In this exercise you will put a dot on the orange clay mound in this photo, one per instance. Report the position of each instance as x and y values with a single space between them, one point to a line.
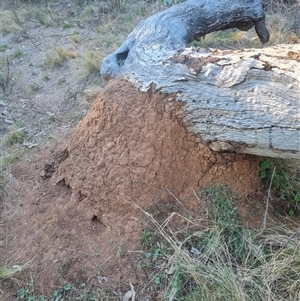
78 211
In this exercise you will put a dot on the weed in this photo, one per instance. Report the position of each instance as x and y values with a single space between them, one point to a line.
118 250
61 81
90 93
33 87
6 160
75 38
51 118
59 56
15 135
11 151
70 291
89 13
119 4
285 183
9 159
67 24
7 79
18 54
293 38
3 47
46 78
7 272
42 16
170 2
8 22
279 29
89 63
147 239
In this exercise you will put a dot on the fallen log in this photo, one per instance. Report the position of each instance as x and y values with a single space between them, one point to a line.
245 101
175 27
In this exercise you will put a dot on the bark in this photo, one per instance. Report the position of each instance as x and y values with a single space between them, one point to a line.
245 101
175 27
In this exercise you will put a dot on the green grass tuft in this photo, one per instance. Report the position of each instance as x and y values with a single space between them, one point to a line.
285 183
15 135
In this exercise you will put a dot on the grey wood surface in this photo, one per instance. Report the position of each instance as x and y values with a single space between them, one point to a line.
246 101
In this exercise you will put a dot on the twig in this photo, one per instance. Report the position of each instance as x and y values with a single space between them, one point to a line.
177 200
25 31
203 207
267 204
70 250
296 233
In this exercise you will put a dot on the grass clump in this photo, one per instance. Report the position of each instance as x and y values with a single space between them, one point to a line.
7 75
225 260
7 272
285 182
8 22
89 12
11 150
18 54
7 160
279 27
89 63
15 135
59 56
40 15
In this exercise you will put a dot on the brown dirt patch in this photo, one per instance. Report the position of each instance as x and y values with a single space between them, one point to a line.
130 148
196 63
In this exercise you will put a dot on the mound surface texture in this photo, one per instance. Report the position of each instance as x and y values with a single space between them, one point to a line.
130 149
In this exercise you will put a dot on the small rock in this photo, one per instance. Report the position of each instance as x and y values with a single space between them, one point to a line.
9 121
42 173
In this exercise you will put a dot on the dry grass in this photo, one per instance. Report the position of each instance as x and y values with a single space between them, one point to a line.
43 16
59 56
10 271
7 77
88 64
90 12
225 261
75 38
8 22
15 135
11 150
280 30
91 92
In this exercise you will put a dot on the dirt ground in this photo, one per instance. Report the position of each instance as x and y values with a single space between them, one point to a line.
71 205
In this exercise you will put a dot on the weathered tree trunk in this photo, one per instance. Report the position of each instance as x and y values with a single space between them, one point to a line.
173 28
244 101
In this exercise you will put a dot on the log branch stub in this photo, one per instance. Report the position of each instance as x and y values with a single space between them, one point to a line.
175 27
